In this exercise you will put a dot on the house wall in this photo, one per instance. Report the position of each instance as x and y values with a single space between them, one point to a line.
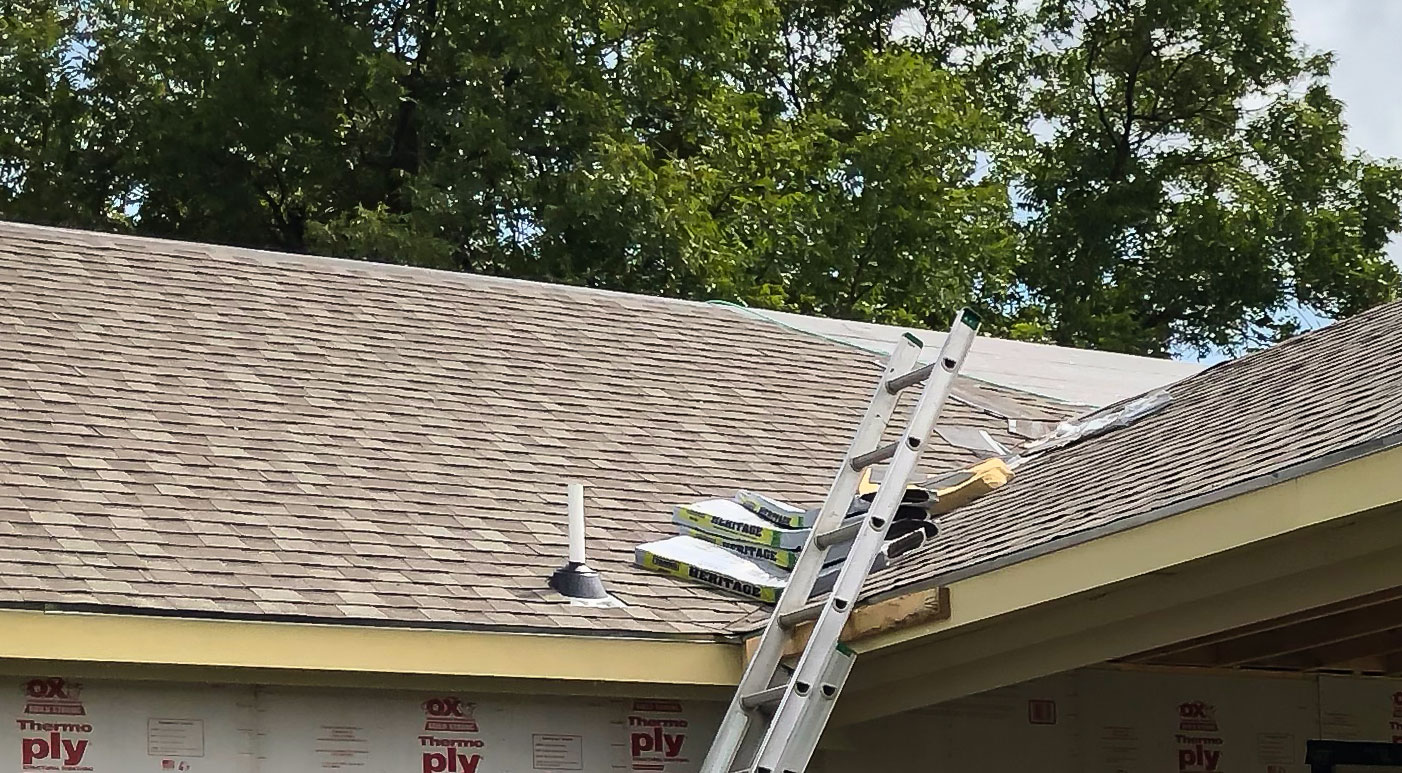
1110 721
1091 721
58 724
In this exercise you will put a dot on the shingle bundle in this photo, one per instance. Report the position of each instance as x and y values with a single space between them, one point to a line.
748 544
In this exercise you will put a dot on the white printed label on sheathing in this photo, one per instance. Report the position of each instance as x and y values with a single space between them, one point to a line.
1361 708
557 752
174 737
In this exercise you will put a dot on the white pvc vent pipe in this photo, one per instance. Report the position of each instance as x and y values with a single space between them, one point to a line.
576 500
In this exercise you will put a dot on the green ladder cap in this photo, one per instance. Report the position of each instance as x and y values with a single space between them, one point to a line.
913 339
845 650
970 317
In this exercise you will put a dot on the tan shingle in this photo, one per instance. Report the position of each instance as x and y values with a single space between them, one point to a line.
281 435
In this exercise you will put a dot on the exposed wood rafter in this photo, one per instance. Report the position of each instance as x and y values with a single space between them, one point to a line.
1289 639
1164 654
1346 655
1360 634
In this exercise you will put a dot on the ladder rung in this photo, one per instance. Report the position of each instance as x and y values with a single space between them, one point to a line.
783 739
841 534
764 697
803 614
869 458
910 379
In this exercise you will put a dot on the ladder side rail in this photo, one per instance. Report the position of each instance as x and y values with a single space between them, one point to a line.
799 748
804 575
795 708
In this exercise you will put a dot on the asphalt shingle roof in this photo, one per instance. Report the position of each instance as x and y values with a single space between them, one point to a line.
204 430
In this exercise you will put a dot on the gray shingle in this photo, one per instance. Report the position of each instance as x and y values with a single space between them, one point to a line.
1313 395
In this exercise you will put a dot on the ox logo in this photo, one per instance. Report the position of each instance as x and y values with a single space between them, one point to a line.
52 696
1198 716
449 714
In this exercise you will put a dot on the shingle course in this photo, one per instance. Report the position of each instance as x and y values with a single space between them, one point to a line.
266 434
1311 396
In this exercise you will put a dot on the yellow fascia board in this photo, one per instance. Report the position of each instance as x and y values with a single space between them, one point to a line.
563 663
1312 499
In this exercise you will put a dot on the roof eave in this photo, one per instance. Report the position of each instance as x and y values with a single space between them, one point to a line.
999 611
184 649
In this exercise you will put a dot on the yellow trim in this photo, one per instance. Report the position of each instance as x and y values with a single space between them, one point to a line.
568 663
1318 539
1362 484
1131 589
1122 621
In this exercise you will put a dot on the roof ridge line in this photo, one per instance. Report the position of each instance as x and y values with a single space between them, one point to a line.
266 255
1333 328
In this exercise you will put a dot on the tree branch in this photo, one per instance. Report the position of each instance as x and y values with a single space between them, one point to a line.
404 150
1100 110
1123 149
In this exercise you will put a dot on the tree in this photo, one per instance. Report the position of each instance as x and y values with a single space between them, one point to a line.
1194 190
722 148
57 150
853 158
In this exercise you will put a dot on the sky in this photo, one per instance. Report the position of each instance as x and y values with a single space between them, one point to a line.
1366 38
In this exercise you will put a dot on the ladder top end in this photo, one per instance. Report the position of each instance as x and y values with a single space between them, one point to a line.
971 318
911 337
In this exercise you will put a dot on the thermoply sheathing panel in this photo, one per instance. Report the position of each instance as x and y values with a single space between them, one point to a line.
1360 709
1032 725
62 724
1140 722
58 724
1025 727
1101 721
1120 721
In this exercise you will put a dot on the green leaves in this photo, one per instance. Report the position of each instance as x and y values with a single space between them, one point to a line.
1196 190
1141 175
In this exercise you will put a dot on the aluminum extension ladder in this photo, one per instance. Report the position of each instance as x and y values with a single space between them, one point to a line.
775 720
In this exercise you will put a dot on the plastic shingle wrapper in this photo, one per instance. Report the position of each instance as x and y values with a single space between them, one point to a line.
1123 415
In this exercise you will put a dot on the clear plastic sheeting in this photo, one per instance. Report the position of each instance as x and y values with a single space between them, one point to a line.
972 439
1100 422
